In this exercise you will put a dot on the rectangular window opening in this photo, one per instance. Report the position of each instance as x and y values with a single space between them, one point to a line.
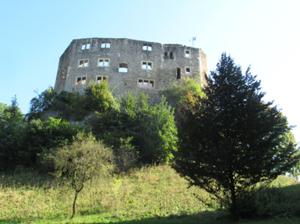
166 55
147 47
171 55
103 62
187 53
101 78
86 46
147 65
188 70
123 68
178 73
83 63
81 80
146 83
105 45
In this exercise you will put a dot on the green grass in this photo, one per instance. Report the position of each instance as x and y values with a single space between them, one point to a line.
149 192
151 195
202 218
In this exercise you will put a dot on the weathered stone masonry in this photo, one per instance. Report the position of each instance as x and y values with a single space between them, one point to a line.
128 65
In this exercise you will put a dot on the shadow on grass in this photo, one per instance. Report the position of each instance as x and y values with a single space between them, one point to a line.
202 218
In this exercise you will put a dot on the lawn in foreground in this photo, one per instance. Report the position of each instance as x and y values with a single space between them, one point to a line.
202 218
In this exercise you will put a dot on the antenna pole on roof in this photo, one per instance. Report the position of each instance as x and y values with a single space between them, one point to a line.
193 41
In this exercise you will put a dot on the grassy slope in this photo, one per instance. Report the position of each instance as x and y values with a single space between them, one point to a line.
140 197
156 191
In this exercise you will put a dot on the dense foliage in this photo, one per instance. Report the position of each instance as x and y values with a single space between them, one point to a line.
139 132
12 129
233 139
42 137
150 129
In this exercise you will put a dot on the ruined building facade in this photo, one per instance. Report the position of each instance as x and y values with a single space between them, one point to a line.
127 65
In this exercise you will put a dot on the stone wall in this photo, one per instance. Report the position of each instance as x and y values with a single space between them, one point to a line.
168 62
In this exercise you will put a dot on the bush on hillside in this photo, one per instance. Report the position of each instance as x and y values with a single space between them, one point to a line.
80 162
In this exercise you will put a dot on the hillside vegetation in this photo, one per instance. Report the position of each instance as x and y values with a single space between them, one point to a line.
191 155
150 193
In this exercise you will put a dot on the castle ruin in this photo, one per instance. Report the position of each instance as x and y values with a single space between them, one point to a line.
128 65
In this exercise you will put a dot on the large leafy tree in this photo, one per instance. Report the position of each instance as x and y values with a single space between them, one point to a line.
150 128
233 139
12 126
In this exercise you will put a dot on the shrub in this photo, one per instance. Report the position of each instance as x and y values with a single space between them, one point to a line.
270 202
80 162
44 136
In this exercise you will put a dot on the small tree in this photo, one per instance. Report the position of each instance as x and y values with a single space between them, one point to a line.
234 139
80 162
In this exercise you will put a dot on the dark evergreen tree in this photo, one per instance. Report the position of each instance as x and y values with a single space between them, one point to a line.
233 139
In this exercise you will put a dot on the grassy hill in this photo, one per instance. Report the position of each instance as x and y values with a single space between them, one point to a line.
149 195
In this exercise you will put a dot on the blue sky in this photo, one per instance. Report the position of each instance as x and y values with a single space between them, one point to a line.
262 33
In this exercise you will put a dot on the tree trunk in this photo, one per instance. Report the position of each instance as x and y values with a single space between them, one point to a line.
74 204
233 207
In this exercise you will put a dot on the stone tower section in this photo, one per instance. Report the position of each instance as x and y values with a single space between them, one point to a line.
128 65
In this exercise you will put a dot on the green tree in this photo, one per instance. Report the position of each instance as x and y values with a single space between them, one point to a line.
41 103
2 107
66 105
150 128
186 92
234 139
69 106
80 162
183 96
42 137
98 97
156 135
12 126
